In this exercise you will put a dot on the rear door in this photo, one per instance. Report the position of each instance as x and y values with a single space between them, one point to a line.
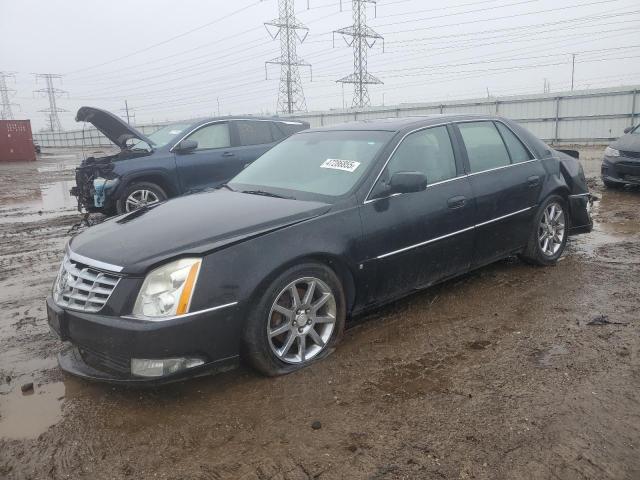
415 239
216 159
506 180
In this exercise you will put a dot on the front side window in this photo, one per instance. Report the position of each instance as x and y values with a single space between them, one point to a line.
212 136
516 149
484 145
253 132
325 163
427 151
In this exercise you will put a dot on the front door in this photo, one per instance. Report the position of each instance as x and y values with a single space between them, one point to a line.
506 180
213 162
412 240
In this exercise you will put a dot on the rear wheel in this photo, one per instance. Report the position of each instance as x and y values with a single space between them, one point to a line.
139 194
549 233
298 320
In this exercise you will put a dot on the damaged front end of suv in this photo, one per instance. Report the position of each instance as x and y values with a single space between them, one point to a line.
97 179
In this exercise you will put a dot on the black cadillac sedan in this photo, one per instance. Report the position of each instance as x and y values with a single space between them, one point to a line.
328 223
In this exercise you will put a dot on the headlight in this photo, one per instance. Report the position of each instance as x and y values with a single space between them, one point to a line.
611 152
167 290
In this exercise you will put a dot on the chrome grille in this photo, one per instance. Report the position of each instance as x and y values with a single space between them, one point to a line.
81 287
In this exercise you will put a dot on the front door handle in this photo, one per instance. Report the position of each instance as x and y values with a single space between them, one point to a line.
456 202
228 154
533 181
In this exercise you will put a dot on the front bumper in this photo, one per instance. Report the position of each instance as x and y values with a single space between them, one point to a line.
622 170
102 346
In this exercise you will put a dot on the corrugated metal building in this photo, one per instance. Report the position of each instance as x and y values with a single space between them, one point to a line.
16 141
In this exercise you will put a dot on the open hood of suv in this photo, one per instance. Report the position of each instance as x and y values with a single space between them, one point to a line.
112 127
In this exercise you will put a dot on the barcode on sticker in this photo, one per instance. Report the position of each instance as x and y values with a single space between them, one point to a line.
337 164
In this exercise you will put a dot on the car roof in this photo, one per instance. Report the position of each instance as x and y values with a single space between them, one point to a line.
397 124
201 121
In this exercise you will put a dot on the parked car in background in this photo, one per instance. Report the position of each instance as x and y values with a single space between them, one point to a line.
37 148
327 224
176 159
621 163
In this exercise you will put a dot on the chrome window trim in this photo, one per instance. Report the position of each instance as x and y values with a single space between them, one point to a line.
464 175
442 237
109 267
576 195
233 120
501 168
173 317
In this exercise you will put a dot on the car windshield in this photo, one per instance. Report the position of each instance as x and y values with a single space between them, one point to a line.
162 136
327 163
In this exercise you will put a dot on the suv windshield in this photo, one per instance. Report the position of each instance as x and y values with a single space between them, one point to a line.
327 163
162 136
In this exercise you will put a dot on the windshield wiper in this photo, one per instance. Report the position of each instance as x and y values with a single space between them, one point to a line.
266 194
225 185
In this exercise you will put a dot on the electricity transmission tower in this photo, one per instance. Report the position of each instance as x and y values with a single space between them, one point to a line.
291 31
5 93
52 93
361 38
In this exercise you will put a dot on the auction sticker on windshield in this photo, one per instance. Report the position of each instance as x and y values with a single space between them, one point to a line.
337 164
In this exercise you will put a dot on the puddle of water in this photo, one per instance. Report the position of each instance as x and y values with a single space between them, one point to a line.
53 199
27 416
546 357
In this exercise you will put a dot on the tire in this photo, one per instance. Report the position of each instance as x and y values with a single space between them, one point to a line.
154 194
555 232
273 324
612 185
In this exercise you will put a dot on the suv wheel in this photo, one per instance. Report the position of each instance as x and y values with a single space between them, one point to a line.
299 320
139 194
549 233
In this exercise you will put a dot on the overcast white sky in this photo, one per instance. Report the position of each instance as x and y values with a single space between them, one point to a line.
434 51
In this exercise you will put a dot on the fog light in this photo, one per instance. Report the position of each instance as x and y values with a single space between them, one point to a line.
161 367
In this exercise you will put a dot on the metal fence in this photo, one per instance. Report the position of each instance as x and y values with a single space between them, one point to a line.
585 116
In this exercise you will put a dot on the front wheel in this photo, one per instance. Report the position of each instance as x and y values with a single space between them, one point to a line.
549 233
139 194
298 320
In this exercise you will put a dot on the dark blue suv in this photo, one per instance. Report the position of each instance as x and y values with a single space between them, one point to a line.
178 158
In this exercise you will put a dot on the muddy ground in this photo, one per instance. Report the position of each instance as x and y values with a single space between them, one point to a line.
511 372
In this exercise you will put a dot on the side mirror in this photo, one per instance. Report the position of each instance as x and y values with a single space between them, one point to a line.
628 129
407 182
186 146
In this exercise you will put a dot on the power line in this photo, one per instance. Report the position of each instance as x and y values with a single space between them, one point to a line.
5 111
52 93
290 92
362 38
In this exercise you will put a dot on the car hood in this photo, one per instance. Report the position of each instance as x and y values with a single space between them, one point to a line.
111 126
629 143
190 225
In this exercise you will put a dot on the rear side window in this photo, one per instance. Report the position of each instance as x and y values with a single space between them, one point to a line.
254 133
485 147
289 128
517 150
427 151
212 136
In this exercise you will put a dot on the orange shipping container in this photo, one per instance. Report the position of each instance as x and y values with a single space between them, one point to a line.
16 141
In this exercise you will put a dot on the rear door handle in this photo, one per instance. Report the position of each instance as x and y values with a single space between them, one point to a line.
228 154
457 202
533 181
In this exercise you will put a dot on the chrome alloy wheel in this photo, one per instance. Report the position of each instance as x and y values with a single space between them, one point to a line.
304 315
140 198
551 230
